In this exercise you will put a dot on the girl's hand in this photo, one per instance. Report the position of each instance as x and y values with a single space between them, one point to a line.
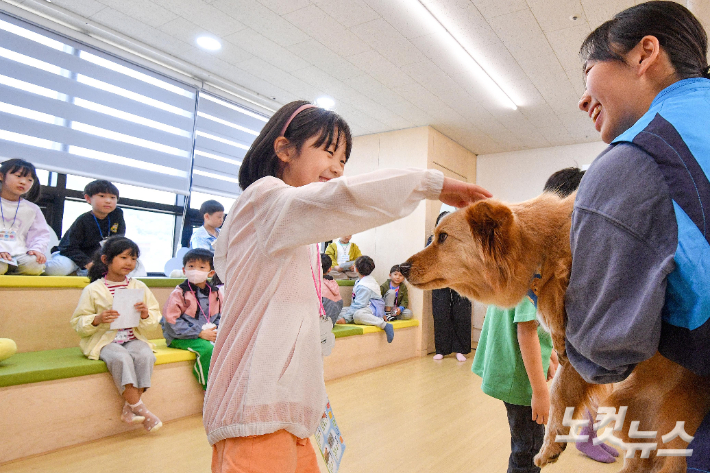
140 306
6 256
460 194
105 317
41 259
210 334
540 406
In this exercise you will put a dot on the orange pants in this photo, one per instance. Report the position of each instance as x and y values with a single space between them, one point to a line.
280 452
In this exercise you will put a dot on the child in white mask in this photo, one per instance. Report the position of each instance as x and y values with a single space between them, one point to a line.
191 314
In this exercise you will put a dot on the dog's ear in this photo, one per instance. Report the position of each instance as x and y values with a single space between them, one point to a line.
490 224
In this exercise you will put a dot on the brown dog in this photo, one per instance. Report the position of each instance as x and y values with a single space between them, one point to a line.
490 252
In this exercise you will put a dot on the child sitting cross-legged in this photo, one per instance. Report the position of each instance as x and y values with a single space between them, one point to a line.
127 352
395 295
367 307
191 314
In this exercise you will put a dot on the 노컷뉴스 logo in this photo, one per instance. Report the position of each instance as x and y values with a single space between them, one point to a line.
607 415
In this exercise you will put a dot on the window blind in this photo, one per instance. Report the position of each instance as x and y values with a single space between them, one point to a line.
70 108
223 133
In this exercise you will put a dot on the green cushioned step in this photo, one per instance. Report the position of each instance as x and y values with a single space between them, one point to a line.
345 330
162 282
345 282
36 366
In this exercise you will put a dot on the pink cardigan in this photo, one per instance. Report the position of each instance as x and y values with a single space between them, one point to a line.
266 372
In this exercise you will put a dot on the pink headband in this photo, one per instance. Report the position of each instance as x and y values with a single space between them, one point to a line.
293 115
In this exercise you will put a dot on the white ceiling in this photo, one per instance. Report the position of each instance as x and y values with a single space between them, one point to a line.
384 67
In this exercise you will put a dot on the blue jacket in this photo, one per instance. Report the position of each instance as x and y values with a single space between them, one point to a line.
640 279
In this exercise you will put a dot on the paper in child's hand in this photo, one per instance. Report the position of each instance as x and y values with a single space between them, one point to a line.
124 301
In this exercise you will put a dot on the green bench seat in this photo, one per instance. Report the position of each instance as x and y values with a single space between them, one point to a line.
36 366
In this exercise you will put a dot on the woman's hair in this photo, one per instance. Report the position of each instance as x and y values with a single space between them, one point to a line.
113 247
678 31
261 159
25 168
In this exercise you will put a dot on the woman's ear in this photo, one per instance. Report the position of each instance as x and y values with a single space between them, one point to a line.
646 54
282 149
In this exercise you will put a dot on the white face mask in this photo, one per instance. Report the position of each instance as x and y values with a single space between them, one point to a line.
195 276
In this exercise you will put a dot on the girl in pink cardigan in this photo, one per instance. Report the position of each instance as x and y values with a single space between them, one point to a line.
266 392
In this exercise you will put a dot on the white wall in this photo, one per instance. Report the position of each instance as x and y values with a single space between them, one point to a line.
521 175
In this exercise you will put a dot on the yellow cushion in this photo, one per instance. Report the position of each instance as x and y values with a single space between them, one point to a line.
165 355
43 281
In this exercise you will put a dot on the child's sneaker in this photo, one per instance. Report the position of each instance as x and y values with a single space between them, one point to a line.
129 417
389 316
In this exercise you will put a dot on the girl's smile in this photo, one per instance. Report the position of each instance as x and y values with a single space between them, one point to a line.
312 164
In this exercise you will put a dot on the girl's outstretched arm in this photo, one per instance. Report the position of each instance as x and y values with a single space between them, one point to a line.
290 217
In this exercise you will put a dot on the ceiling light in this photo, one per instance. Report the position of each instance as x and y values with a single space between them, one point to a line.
483 76
325 102
209 43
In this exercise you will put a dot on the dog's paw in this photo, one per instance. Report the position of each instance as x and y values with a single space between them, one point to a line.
549 453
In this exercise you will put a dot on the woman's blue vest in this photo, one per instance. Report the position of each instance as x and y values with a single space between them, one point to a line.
675 132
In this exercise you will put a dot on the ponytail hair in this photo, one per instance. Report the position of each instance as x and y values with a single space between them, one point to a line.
678 31
112 247
25 168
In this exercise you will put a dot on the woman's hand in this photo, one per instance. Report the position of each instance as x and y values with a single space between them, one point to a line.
460 194
143 309
41 259
105 317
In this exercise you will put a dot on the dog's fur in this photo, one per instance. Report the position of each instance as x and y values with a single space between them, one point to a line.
490 252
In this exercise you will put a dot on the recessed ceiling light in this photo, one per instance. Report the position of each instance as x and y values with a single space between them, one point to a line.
209 43
325 102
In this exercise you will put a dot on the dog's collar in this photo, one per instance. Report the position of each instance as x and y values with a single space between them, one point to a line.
534 287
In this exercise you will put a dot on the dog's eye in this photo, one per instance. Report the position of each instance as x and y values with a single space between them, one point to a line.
442 237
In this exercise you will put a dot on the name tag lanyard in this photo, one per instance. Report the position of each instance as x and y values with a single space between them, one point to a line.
99 226
2 212
197 299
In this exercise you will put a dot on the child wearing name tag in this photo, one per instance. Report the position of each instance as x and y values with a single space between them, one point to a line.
266 394
127 352
24 234
89 231
191 314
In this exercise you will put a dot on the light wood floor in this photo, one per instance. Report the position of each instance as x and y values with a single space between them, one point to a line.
415 416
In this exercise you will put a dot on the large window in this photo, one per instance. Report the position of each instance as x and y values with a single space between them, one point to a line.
80 114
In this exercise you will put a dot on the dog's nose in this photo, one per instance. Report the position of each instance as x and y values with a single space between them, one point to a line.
404 269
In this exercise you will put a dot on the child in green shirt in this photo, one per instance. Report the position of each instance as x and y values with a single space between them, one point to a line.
515 359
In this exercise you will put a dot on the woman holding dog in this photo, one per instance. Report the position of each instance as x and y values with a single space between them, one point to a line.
641 222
